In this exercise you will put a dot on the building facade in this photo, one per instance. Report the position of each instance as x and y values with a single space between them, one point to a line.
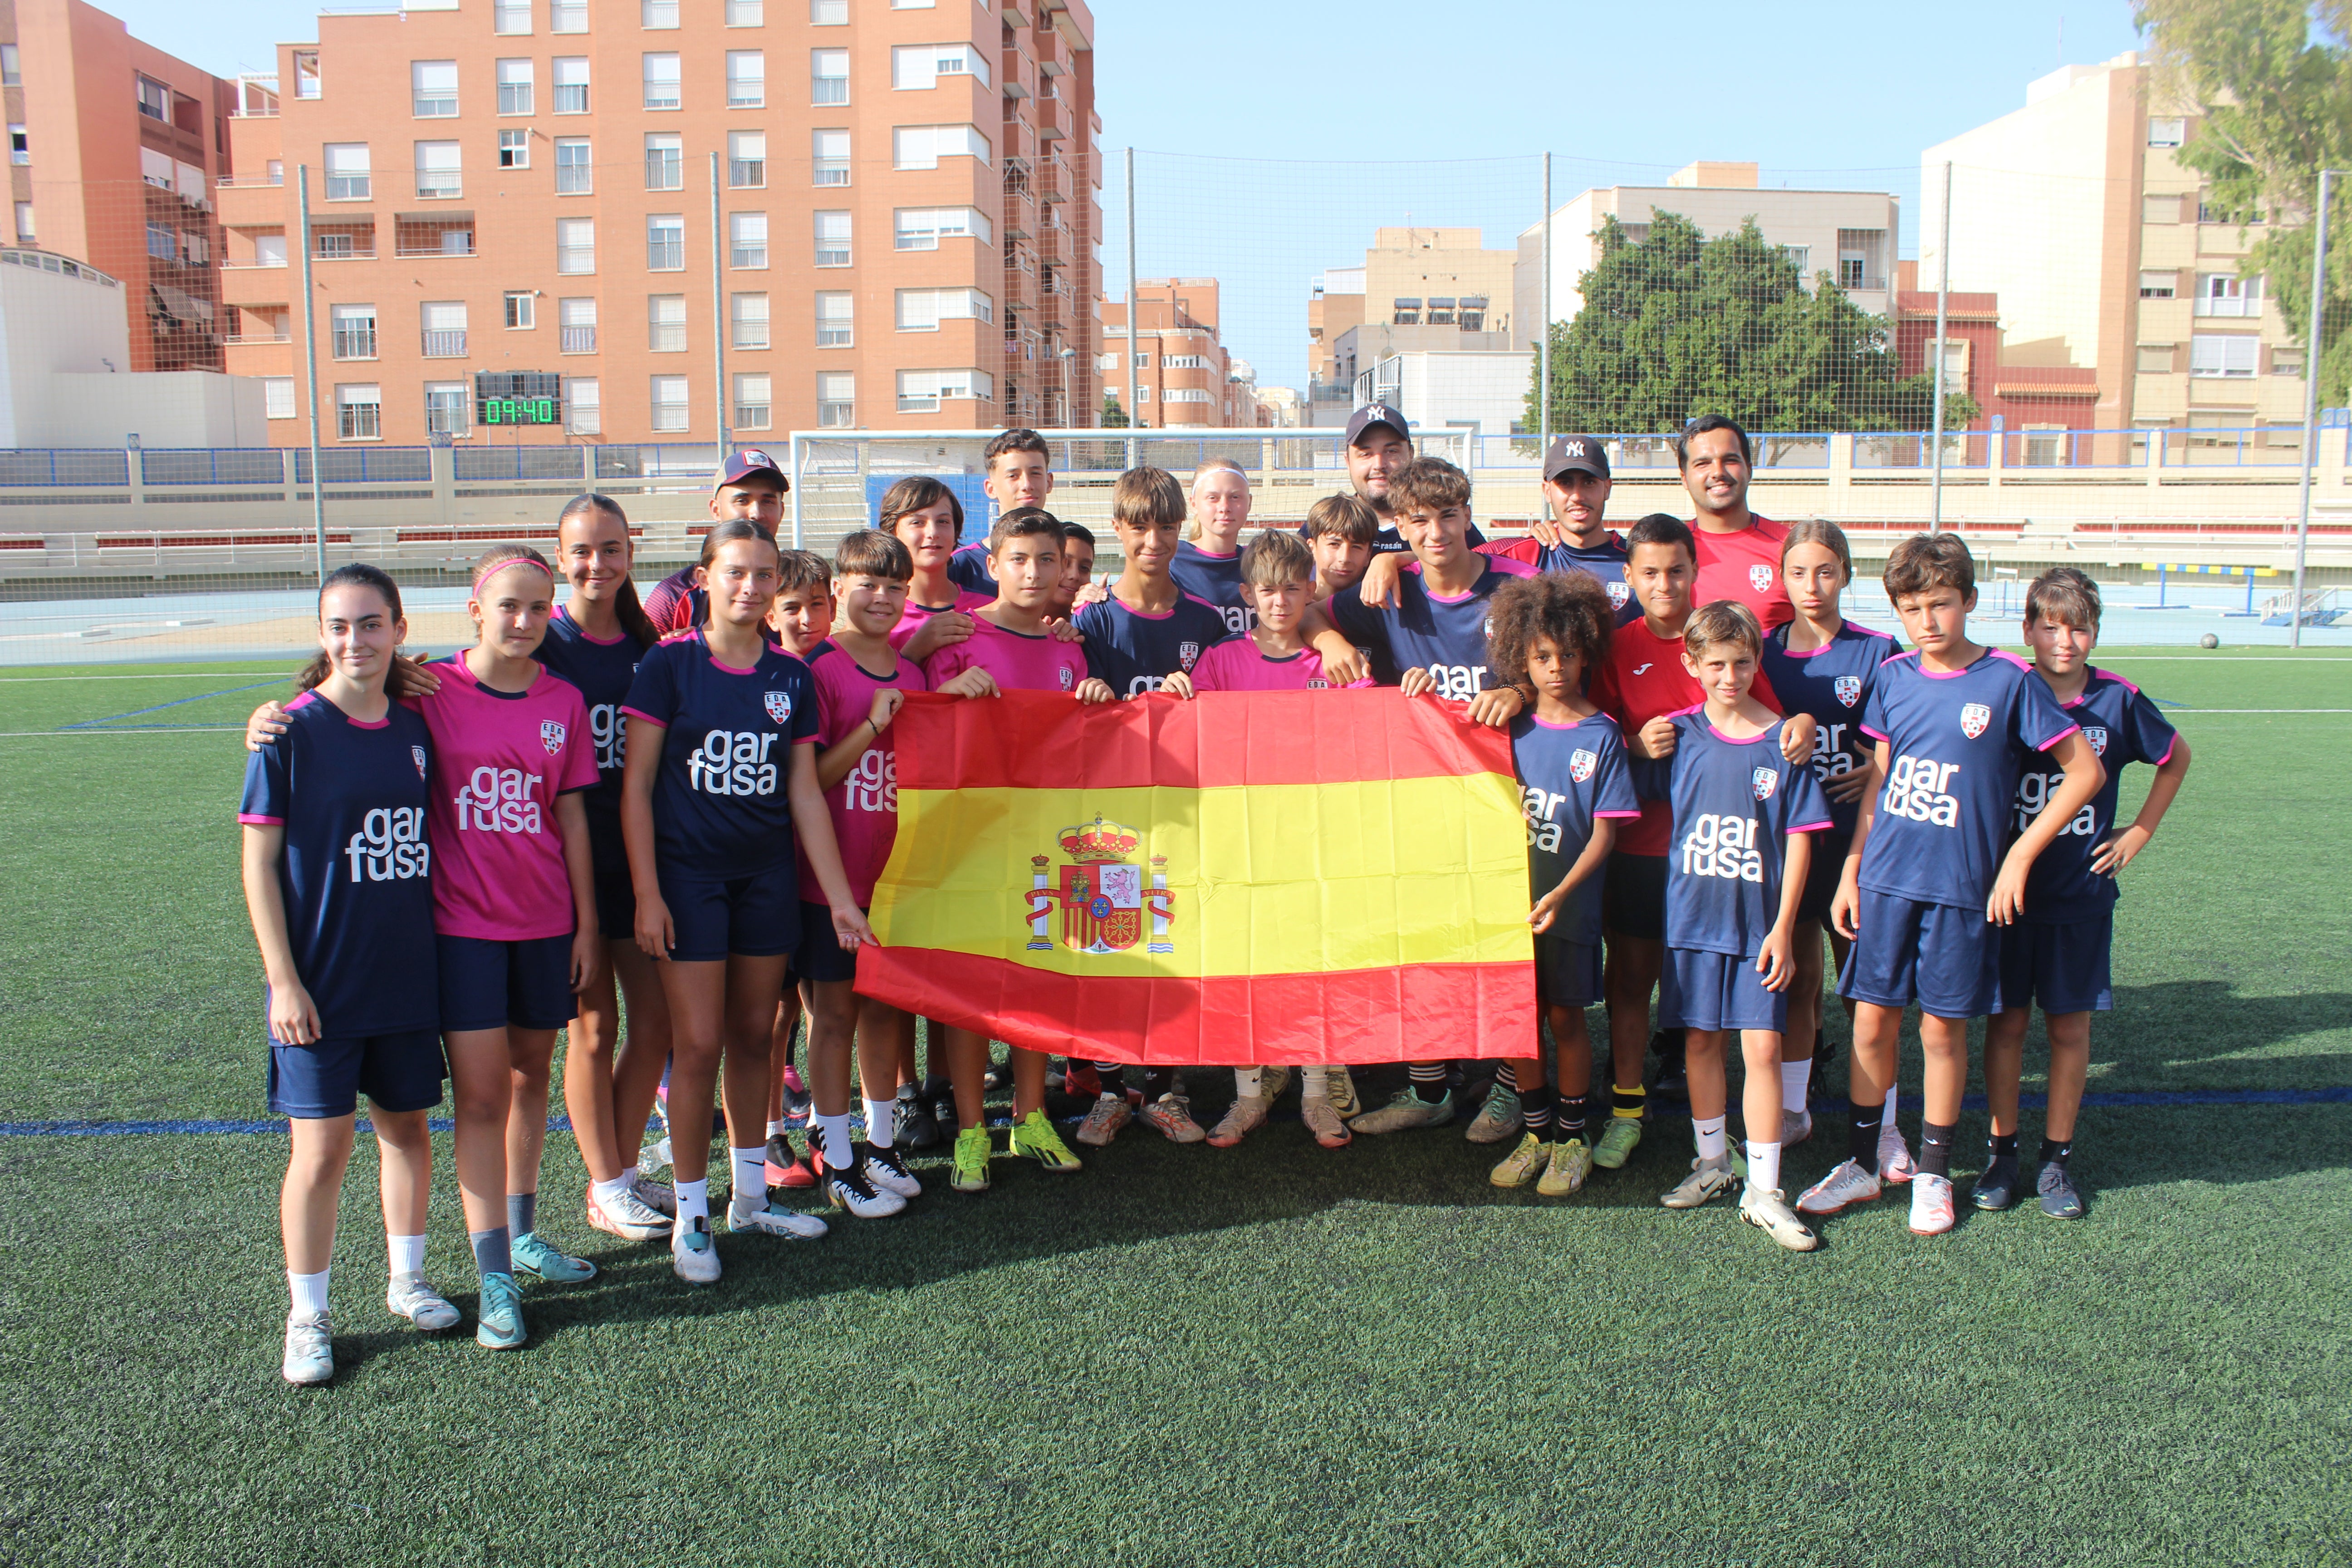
2044 405
1179 375
1439 286
641 220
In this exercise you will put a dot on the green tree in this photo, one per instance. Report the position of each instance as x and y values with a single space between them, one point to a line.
1114 417
1679 324
2271 83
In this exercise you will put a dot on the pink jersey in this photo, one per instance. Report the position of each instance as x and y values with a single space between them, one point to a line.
499 759
865 803
1238 664
1019 662
911 620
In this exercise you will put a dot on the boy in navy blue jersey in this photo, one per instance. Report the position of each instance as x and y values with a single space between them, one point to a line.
2056 954
1744 818
1929 879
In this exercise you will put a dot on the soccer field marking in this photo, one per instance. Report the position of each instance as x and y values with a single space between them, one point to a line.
157 675
122 730
158 708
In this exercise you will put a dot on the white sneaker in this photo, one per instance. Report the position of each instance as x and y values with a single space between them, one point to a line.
1894 1166
1841 1189
628 1215
853 1188
886 1169
1796 1126
408 1296
1931 1205
1499 1120
1710 1179
309 1351
658 1196
1322 1118
694 1254
1767 1211
768 1220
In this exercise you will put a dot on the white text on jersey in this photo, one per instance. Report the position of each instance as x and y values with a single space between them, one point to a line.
2034 793
390 845
1458 682
874 782
499 800
732 762
1723 846
1830 758
1542 807
606 727
1919 788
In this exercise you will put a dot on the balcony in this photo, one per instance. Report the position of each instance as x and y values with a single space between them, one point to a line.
444 344
449 234
246 339
1052 179
1053 120
578 340
1017 73
343 242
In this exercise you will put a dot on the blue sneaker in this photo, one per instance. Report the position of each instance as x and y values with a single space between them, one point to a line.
1996 1189
500 1326
2060 1200
534 1260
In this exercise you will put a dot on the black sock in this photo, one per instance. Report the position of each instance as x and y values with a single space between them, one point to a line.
1567 1120
1862 1134
1428 1081
1536 1109
1508 1076
1158 1082
1936 1148
2004 1147
522 1213
2053 1150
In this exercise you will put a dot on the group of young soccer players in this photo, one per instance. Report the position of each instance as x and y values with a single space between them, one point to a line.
687 799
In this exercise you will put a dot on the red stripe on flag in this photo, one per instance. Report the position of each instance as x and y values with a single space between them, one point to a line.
1044 740
1418 1013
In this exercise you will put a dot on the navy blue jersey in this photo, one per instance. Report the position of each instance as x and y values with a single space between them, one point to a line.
1570 775
1214 580
1955 743
356 873
1446 635
1735 803
1389 541
719 805
1135 652
1832 683
1605 561
2123 726
968 569
603 672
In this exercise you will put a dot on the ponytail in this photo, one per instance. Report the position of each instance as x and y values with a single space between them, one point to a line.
631 610
357 575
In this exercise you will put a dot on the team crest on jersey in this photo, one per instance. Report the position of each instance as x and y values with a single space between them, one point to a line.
1761 579
1847 689
1580 766
1068 680
1618 593
1767 781
779 705
416 755
551 735
1186 652
1101 893
2099 739
1973 720
1317 683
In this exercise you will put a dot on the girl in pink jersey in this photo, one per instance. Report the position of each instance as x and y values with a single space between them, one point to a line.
924 516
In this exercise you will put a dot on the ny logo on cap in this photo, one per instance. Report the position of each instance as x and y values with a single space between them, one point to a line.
1376 413
1576 449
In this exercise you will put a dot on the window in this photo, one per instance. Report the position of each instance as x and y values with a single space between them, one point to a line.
575 321
2227 294
344 240
922 229
669 402
2155 209
437 173
922 391
2167 130
1186 395
510 16
1184 362
1143 362
752 409
10 75
2288 359
274 171
514 149
154 168
2215 355
194 248
306 73
829 12
836 399
567 16
154 98
661 81
573 173
658 14
359 413
514 87
522 310
922 146
835 319
352 330
570 84
833 240
162 242
278 397
747 241
2159 285
583 413
193 185
665 242
746 13
913 5
747 160
2154 359
347 170
1143 395
1406 314
919 66
829 154
24 231
664 163
432 87
922 310
1800 256
666 323
445 407
747 79
20 149
575 242
828 75
749 314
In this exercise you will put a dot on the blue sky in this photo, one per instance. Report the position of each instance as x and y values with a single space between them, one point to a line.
1275 134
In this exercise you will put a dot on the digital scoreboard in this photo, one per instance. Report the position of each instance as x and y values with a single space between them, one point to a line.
518 397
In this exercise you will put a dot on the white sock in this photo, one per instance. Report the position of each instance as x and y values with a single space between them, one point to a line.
693 1203
881 1121
1764 1166
1795 1077
1249 1082
1886 1117
1709 1135
751 1177
309 1291
1315 1083
775 1128
834 1130
407 1254
610 1192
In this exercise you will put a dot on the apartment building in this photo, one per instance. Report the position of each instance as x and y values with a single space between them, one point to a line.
2077 213
1410 278
536 221
115 148
1178 374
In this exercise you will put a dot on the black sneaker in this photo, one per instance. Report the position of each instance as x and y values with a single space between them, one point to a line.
998 1076
939 1095
1817 1087
912 1122
1673 1080
1996 1189
2060 1200
886 1169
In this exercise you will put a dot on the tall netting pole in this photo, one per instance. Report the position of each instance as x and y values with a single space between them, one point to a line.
1942 306
310 364
2310 402
1134 316
1543 329
719 318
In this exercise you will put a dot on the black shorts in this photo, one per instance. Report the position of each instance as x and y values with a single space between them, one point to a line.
820 957
617 899
711 917
1567 973
1821 877
1633 897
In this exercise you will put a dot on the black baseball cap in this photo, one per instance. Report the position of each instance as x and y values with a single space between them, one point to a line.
1372 414
1576 455
740 466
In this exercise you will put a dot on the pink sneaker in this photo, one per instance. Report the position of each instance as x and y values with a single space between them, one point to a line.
1931 1205
1894 1166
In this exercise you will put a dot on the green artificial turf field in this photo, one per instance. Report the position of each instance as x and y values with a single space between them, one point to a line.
1185 1355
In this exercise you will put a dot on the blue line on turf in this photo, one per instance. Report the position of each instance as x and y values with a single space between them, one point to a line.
225 692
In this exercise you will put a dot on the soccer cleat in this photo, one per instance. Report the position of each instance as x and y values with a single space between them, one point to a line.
1617 1142
535 1259
855 1191
1894 1165
1034 1136
1406 1110
972 1152
941 1096
1996 1186
796 1095
309 1351
498 1320
1271 1085
1342 1090
1083 1081
1709 1180
886 1169
1796 1127
693 1254
2060 1198
1172 1114
653 1156
658 1196
1105 1117
1931 1205
1674 1077
770 1220
1499 1120
998 1076
784 1166
408 1296
1841 1189
1767 1211
1565 1174
1322 1118
1240 1119
628 1216
917 1127
1522 1164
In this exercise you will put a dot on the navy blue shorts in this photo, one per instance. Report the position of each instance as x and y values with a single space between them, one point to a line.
1947 960
1716 991
1567 973
616 896
1822 876
2060 968
1633 897
820 957
753 917
487 985
397 1072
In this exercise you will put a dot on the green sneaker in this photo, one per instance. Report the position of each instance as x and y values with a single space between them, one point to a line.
972 1152
1522 1164
1617 1142
1571 1163
1034 1136
499 1316
534 1260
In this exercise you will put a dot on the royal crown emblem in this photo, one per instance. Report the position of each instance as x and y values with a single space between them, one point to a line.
1761 579
1767 780
779 705
1973 720
1847 689
1101 892
2099 739
551 735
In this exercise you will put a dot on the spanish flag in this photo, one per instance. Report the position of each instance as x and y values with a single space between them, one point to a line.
1275 877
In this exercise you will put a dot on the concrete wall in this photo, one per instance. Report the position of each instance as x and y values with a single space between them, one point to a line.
1483 392
163 408
50 322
